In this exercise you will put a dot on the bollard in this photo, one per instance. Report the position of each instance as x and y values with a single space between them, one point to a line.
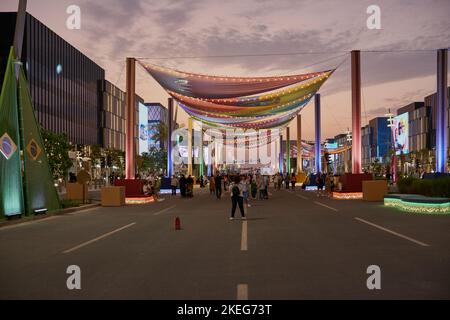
177 223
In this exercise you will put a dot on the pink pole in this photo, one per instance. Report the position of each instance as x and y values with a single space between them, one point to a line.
130 148
356 111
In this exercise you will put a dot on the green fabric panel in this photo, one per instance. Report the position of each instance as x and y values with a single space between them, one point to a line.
11 192
39 185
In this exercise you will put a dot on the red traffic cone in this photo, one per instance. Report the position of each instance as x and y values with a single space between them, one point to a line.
177 223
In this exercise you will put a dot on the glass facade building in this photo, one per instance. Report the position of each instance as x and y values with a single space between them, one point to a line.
376 141
112 116
157 114
62 80
112 112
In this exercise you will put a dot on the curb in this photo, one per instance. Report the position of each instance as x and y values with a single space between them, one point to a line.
46 216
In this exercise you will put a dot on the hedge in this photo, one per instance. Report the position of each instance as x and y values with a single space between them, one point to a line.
430 187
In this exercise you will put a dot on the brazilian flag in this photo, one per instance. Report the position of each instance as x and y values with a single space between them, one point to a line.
39 185
11 192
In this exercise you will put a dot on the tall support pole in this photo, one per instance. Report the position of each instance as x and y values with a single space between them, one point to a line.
224 150
356 111
257 146
247 149
169 137
442 112
299 143
318 151
288 151
200 154
20 29
190 146
235 150
280 159
269 143
130 139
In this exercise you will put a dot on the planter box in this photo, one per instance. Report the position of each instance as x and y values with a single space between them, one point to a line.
374 190
113 196
75 191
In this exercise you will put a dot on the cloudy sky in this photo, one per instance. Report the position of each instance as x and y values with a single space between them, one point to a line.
186 33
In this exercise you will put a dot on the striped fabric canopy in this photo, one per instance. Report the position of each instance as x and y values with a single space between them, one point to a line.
239 102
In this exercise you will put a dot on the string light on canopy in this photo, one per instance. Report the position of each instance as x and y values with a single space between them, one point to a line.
239 102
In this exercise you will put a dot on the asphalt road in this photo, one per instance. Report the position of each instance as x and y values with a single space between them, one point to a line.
293 246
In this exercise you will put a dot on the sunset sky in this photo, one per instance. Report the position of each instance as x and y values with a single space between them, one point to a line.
112 30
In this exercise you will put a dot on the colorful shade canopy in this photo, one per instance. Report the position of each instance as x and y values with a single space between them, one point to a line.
239 102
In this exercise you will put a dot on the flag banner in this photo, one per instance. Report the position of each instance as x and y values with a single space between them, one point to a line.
11 191
39 184
239 102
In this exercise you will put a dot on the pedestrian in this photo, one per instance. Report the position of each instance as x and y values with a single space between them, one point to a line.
320 183
237 198
287 181
183 186
266 187
293 181
245 191
173 185
189 187
212 185
218 183
253 188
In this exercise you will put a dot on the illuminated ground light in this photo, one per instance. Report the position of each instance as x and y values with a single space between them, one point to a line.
347 195
439 206
142 200
311 188
167 191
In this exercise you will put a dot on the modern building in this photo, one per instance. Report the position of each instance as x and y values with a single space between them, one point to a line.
431 103
157 114
62 80
376 141
341 157
420 135
111 116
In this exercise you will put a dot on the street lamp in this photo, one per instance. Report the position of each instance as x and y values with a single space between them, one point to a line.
390 119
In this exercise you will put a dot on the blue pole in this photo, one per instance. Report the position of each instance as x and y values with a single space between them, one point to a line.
441 112
169 138
317 123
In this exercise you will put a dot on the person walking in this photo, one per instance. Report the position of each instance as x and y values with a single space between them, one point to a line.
212 186
293 181
190 186
218 183
237 197
320 183
245 190
287 181
183 186
173 185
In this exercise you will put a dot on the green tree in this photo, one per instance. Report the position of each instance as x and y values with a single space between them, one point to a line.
116 158
57 147
154 161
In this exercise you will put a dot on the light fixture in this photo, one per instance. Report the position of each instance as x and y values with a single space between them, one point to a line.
40 211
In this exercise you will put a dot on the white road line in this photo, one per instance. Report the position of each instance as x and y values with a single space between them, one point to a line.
324 205
98 238
29 223
82 211
163 210
242 291
393 232
303 197
244 236
44 219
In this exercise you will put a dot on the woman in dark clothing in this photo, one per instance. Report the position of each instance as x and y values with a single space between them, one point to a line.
183 186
